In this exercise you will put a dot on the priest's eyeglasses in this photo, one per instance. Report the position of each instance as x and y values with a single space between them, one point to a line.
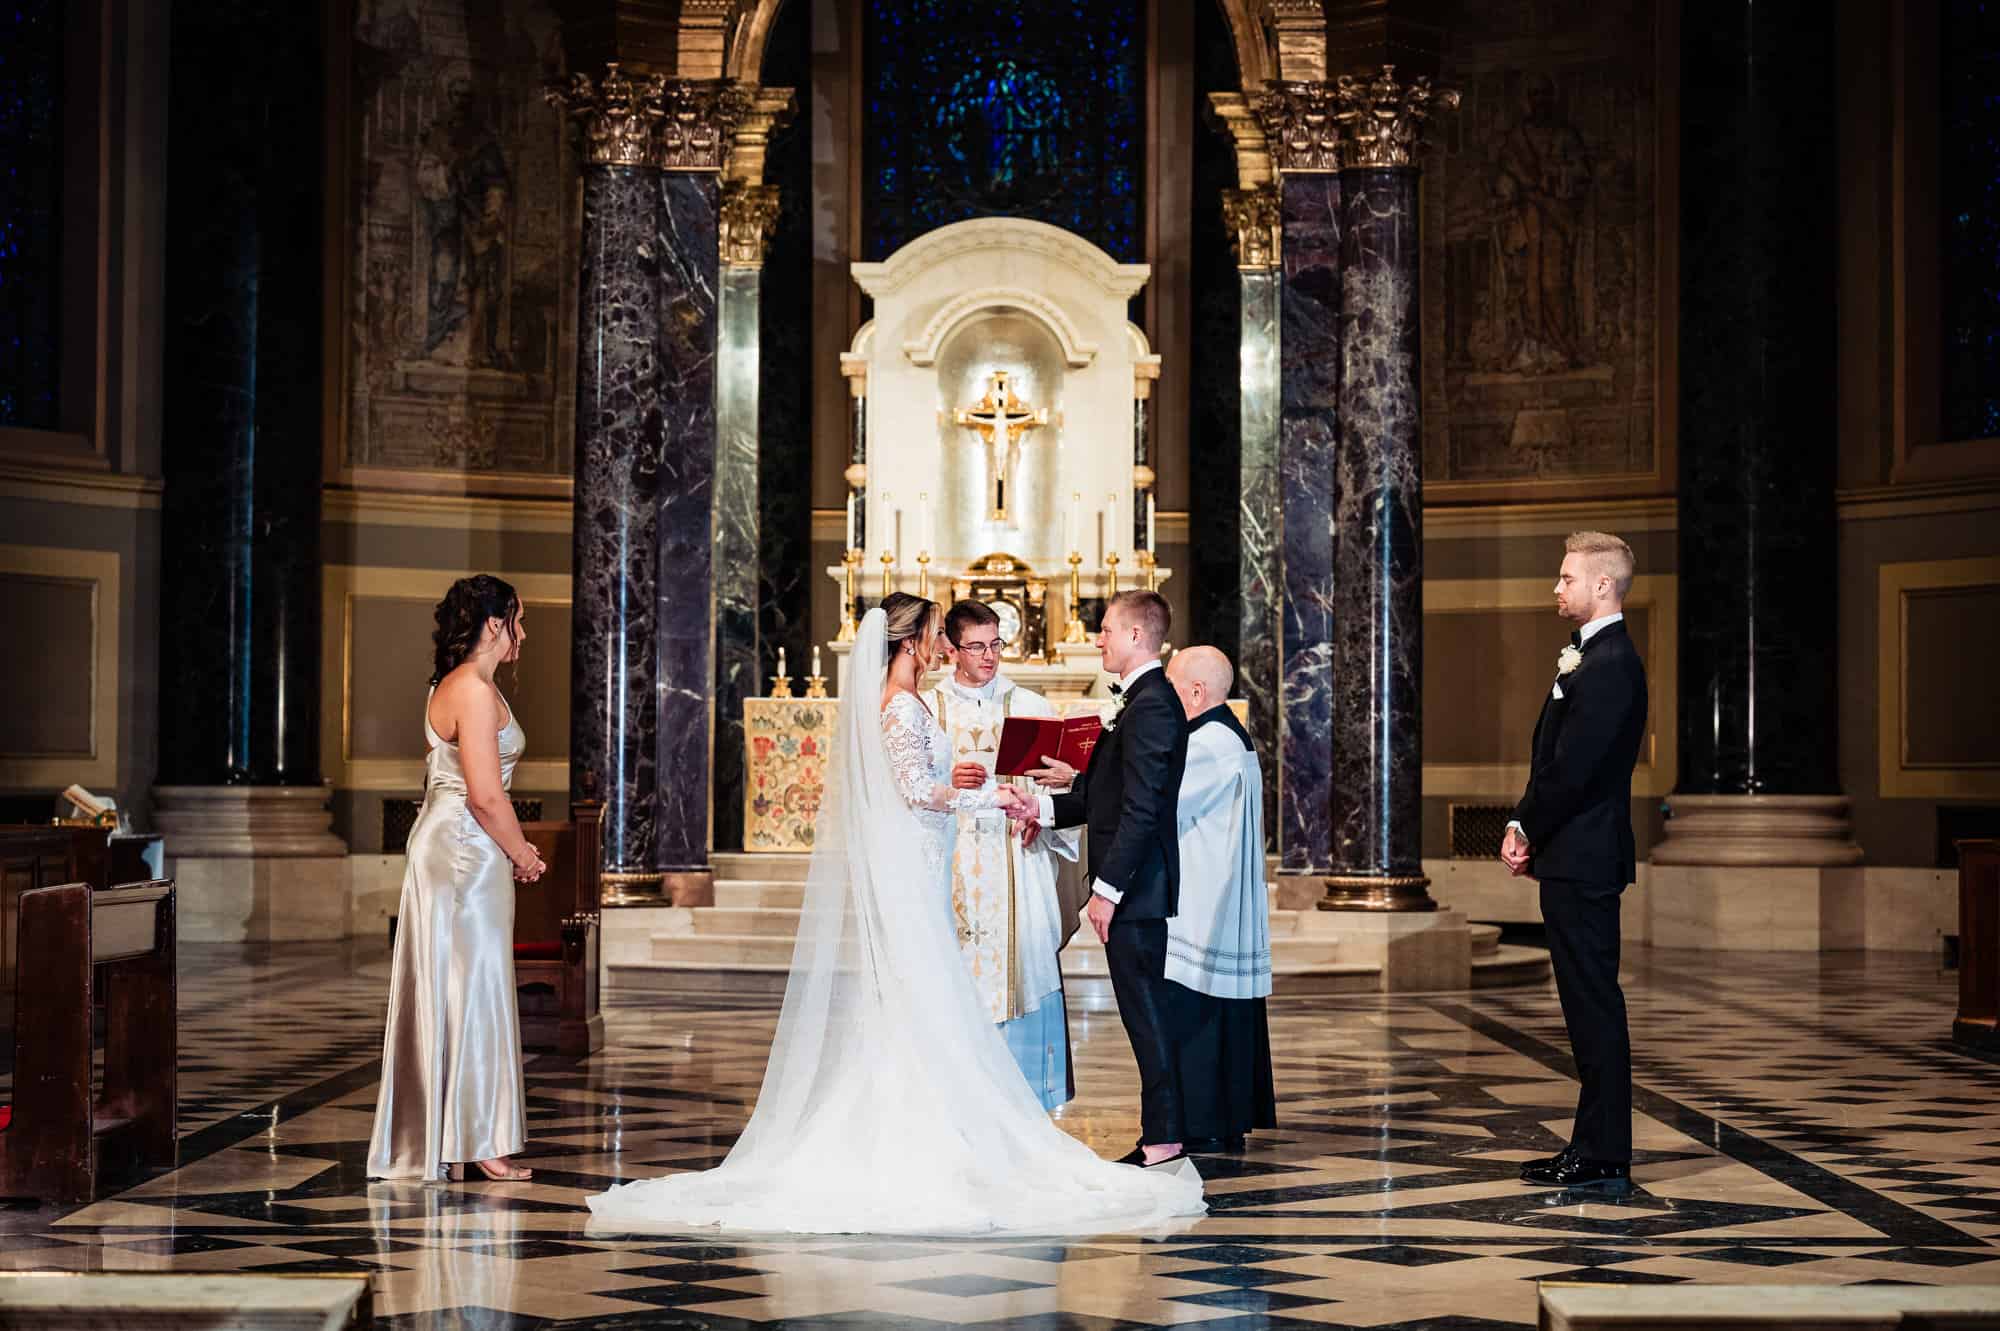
980 648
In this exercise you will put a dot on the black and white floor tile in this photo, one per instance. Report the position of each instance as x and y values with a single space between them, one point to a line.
1800 1120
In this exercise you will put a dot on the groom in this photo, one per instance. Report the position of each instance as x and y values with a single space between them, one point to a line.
1128 798
1573 831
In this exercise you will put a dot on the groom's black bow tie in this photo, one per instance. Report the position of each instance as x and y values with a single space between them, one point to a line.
1117 689
1576 638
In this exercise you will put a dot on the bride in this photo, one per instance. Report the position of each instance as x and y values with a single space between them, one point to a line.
890 1104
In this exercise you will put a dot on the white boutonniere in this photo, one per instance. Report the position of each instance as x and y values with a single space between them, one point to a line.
1117 710
1571 658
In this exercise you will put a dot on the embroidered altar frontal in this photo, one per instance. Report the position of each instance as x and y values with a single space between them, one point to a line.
785 742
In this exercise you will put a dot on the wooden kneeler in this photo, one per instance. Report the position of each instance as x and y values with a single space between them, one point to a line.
555 936
75 942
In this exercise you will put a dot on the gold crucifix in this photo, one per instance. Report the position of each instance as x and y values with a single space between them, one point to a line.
1001 419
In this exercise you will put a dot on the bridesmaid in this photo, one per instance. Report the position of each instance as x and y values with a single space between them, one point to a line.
451 1054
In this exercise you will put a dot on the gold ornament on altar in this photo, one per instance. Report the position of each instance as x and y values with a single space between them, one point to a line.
1074 632
851 562
1001 419
1012 591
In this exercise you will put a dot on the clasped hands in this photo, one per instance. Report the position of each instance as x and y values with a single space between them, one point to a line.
1514 852
529 872
1021 808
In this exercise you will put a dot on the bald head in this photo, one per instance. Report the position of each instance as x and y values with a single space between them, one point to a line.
1202 676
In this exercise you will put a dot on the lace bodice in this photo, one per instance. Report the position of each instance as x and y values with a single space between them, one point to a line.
920 760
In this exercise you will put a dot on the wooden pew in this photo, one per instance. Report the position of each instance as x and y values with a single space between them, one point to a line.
32 857
556 936
1978 1023
76 941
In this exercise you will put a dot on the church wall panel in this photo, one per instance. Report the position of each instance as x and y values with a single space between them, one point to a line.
61 679
1897 543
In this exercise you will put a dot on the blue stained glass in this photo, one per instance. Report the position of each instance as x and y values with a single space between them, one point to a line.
1031 111
31 61
1969 218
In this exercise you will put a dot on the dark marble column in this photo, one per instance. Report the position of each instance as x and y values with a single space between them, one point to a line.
685 241
1310 375
619 441
1757 401
1377 644
240 586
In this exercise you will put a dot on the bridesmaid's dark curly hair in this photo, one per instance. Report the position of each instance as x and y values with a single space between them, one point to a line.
462 616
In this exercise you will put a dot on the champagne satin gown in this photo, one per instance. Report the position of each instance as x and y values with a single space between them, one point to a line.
451 1054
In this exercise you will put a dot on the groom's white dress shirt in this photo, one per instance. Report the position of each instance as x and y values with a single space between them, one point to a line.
1098 887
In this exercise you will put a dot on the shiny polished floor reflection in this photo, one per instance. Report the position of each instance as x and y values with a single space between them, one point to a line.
1801 1119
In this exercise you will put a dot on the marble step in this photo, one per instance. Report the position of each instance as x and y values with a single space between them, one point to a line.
1505 965
775 949
789 893
738 866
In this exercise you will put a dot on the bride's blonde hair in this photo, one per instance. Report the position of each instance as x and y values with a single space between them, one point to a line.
907 617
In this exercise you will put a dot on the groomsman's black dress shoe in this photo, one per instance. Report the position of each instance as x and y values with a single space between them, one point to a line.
1577 1174
1564 1156
1213 1145
1138 1157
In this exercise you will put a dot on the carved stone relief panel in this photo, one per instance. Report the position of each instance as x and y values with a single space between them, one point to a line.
462 235
1543 320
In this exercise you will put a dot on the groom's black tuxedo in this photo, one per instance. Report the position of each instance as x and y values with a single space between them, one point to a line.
1577 817
1128 798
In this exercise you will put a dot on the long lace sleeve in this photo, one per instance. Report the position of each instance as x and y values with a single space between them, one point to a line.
906 734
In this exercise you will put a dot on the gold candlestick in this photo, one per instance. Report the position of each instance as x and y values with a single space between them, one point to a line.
924 574
888 563
815 686
1074 631
851 559
1110 575
781 686
1149 565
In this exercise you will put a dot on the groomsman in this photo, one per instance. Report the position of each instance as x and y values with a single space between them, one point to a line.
1219 946
1573 830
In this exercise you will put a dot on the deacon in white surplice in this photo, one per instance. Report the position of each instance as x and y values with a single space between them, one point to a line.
1219 946
1011 920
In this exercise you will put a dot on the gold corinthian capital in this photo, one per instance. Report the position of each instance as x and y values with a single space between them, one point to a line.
619 114
1255 223
1381 119
748 212
700 120
1301 126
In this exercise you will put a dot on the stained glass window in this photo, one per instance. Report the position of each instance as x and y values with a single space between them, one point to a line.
31 61
1032 109
1969 216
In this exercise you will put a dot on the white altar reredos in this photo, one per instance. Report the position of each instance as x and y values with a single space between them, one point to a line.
1039 314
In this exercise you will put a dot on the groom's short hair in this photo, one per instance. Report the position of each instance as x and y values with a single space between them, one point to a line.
965 615
1605 554
1148 610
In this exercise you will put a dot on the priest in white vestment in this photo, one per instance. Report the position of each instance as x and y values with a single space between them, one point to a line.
1219 946
1011 920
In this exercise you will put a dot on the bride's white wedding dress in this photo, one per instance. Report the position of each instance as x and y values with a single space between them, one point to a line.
890 1104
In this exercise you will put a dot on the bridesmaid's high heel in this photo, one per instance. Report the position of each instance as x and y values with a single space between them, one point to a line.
506 1174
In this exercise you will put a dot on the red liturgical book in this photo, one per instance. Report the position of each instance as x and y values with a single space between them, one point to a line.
1026 740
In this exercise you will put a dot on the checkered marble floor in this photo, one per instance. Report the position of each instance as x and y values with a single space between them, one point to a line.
1800 1119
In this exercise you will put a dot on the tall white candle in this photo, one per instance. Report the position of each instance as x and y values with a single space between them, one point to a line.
781 663
1152 542
1111 522
815 661
850 521
924 530
1075 524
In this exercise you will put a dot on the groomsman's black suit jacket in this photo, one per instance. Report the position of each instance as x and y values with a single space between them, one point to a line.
1129 797
1577 812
